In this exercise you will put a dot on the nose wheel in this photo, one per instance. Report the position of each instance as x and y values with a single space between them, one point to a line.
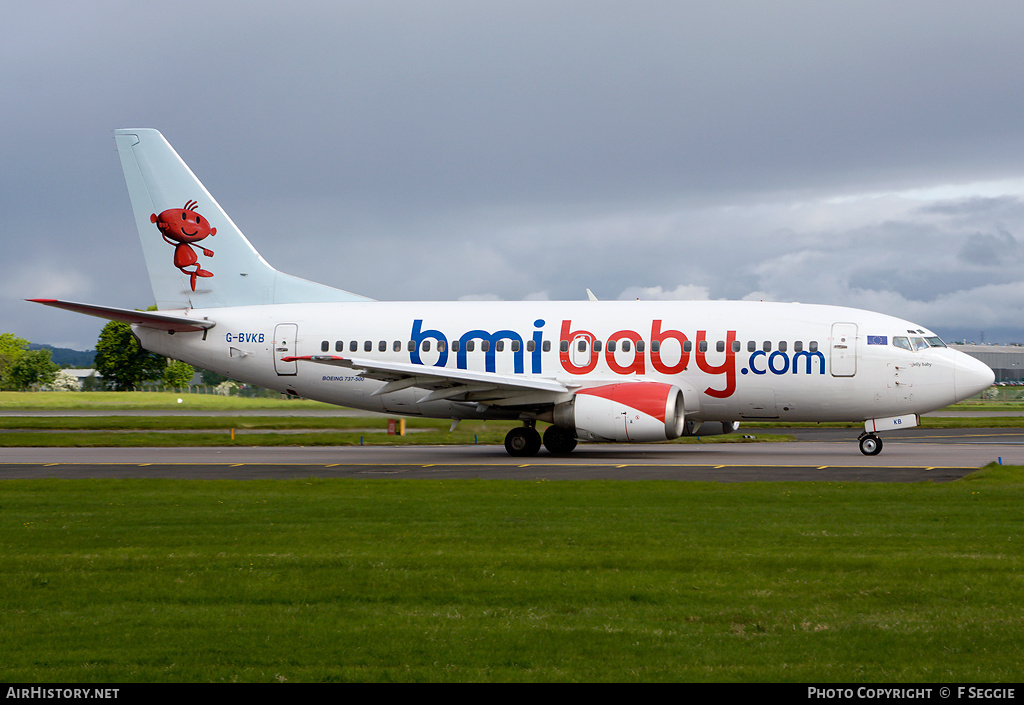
870 444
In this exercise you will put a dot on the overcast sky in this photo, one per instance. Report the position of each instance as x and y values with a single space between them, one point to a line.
868 154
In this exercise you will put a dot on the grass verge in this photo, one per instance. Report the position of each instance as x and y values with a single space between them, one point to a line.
347 580
121 401
205 431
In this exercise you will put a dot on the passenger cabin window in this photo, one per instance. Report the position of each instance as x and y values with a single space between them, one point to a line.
339 346
353 346
325 346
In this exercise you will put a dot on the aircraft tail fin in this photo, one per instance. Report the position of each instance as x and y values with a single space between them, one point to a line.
196 256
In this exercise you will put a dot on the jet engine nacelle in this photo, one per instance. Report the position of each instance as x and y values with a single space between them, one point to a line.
636 412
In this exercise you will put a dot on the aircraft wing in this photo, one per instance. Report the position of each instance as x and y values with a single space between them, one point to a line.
150 319
444 383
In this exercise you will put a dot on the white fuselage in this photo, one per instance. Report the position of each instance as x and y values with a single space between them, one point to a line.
734 361
627 371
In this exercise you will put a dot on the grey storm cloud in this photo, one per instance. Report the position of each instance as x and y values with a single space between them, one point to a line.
991 249
864 153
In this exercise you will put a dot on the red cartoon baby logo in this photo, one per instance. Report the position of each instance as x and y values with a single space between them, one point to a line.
182 227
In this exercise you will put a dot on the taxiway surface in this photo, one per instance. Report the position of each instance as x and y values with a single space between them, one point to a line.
819 455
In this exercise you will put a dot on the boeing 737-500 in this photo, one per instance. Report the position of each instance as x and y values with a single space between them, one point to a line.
634 371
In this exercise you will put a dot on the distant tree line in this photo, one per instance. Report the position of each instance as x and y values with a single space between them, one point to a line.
124 364
119 360
66 357
23 369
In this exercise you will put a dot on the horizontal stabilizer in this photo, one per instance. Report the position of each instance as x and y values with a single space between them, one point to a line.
149 319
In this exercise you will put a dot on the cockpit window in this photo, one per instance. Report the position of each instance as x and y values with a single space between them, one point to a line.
919 343
901 341
935 342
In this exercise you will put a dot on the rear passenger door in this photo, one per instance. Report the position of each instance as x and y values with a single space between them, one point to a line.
284 346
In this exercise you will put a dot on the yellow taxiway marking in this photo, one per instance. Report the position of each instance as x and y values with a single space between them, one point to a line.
489 465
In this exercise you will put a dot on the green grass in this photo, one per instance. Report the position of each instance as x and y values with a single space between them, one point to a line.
276 428
205 431
51 401
84 401
173 431
400 580
343 580
270 428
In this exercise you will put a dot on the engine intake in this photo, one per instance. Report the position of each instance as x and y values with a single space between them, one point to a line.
635 412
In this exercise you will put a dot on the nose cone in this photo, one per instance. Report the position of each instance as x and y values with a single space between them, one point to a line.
971 376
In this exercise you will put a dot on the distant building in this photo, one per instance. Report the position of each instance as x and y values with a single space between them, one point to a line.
81 375
1007 361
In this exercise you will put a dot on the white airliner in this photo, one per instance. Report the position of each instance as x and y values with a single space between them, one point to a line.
638 371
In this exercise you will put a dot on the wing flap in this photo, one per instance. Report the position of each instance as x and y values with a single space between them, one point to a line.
444 383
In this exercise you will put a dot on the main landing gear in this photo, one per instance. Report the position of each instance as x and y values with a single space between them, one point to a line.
522 441
525 441
870 444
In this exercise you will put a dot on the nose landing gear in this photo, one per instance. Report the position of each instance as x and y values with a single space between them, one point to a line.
871 444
